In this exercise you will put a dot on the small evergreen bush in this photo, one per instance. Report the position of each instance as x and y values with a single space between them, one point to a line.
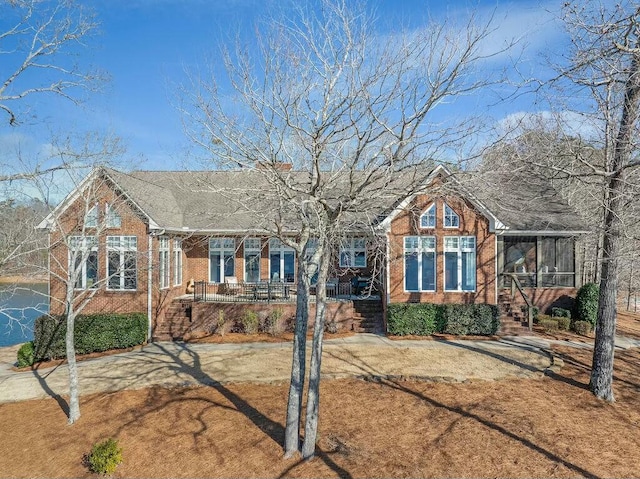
26 355
550 324
563 323
560 313
250 322
582 327
105 457
587 301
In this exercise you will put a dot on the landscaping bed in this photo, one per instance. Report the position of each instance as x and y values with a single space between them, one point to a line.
507 428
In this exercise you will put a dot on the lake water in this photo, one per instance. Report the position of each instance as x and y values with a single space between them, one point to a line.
20 305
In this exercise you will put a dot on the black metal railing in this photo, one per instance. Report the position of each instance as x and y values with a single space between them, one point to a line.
263 291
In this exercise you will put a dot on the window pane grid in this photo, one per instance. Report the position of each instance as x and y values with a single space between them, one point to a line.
420 263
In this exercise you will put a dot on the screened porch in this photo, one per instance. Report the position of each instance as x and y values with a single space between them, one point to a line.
537 261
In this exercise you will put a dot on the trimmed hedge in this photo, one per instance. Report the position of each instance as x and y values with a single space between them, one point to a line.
587 301
582 327
423 319
550 324
563 323
93 333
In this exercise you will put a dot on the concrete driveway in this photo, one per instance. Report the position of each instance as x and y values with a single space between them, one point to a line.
363 355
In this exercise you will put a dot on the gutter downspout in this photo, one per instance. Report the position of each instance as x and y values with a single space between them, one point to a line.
387 274
149 284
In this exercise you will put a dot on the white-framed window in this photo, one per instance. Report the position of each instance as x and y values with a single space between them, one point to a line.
163 261
282 262
451 219
419 263
252 247
428 218
91 219
459 263
83 261
122 263
353 253
177 262
112 218
222 263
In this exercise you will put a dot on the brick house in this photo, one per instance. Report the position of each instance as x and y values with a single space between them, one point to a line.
178 246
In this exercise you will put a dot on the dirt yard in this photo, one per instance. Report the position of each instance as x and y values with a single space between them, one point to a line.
512 428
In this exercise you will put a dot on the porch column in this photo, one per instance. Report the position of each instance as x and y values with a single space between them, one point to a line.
538 261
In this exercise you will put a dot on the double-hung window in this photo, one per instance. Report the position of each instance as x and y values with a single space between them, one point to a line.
252 249
221 259
353 253
177 262
83 261
420 263
459 263
122 262
163 262
428 218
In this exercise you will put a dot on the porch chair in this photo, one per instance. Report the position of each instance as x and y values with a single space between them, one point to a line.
230 286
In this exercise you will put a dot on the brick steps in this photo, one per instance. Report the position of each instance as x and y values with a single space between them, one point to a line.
367 317
513 321
177 320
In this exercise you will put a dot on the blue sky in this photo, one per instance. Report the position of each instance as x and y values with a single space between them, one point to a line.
146 46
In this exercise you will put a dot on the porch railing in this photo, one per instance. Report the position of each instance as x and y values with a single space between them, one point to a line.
517 286
264 291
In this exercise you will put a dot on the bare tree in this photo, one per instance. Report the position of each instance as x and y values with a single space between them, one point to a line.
76 244
589 149
355 116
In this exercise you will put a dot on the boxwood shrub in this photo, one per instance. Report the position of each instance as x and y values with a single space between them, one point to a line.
93 333
424 319
420 319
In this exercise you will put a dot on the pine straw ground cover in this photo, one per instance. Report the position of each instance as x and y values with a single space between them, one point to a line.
550 427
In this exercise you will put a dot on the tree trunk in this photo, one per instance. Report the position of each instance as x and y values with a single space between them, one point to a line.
74 402
298 363
313 395
603 350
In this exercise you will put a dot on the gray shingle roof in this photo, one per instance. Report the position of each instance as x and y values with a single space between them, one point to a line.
228 201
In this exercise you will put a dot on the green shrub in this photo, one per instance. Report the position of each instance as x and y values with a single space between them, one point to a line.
582 327
587 303
563 323
250 322
425 319
474 319
221 323
105 457
92 333
535 309
560 313
549 324
26 355
272 324
412 318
